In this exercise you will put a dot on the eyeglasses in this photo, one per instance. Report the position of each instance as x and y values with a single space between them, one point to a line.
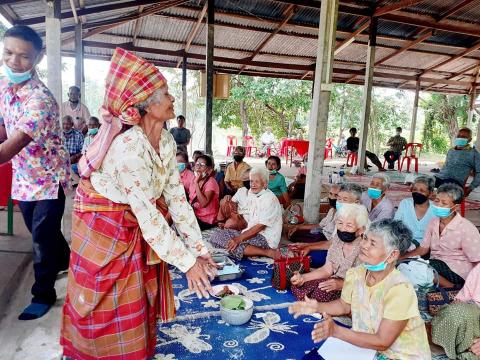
200 165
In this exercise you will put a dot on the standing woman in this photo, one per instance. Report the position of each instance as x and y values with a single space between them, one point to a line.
276 182
118 281
204 193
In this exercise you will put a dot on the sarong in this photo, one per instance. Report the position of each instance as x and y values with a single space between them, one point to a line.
311 289
454 329
221 237
117 286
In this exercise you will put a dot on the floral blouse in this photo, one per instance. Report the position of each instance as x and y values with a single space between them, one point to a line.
133 173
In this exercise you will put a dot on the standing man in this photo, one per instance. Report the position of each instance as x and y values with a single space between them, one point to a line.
76 110
39 160
397 144
181 134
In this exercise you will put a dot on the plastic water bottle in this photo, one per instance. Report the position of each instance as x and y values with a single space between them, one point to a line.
341 173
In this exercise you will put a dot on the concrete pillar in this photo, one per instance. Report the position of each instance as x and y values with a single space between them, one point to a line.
209 69
319 111
53 45
367 93
79 75
184 86
413 125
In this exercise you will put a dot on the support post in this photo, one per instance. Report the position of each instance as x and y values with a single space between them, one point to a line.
320 106
367 93
53 45
413 125
471 109
79 58
184 86
209 66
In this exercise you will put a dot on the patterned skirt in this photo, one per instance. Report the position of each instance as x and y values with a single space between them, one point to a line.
454 329
311 289
117 286
221 237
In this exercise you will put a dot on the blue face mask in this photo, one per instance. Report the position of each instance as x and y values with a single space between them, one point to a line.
93 132
338 205
379 267
374 193
17 78
441 212
461 142
273 172
181 167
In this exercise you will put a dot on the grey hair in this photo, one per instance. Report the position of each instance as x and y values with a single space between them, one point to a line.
352 188
426 180
385 178
453 190
260 172
355 212
142 106
394 233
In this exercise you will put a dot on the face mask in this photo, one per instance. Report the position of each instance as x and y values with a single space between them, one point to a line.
374 193
181 166
379 267
346 236
332 202
418 198
441 212
17 78
273 172
338 205
461 142
238 158
92 132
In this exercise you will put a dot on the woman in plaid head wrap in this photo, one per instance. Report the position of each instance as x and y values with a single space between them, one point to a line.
118 282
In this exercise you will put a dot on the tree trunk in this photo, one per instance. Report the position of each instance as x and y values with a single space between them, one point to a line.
342 112
291 123
244 117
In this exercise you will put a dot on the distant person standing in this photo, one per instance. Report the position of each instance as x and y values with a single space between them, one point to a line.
397 144
181 134
40 161
78 111
268 140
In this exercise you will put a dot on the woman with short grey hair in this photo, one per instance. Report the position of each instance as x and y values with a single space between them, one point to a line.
371 293
375 200
417 211
452 241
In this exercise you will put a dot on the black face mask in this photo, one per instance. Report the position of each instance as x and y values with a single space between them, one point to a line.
238 158
418 198
332 202
346 236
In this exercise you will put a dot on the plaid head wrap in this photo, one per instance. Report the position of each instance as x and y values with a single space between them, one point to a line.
130 80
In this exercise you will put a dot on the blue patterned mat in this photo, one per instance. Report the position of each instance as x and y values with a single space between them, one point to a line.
198 332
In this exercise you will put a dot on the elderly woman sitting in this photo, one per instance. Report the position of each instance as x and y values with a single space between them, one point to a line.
381 301
264 227
186 174
453 241
456 328
374 199
417 211
325 284
204 193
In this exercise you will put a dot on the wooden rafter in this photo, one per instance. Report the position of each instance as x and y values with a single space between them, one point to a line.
352 37
454 75
460 5
194 31
138 25
394 7
289 12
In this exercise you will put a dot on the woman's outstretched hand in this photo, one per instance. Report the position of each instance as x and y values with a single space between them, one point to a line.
198 278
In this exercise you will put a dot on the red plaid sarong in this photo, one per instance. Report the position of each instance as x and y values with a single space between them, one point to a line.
117 286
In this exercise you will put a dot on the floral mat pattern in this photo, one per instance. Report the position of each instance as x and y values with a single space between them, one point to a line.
198 332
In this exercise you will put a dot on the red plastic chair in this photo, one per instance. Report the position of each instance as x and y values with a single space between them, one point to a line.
232 143
328 149
412 153
249 142
352 159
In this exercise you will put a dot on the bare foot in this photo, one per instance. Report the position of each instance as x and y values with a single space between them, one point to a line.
274 254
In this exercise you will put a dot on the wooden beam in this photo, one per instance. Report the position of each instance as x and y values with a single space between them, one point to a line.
394 7
195 29
289 12
137 26
454 9
352 37
454 58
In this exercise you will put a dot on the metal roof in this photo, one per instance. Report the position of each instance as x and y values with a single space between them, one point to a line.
448 59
